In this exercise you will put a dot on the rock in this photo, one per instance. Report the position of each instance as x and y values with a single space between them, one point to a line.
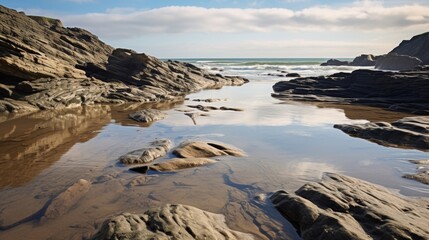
393 61
147 115
397 91
231 109
169 222
342 207
293 75
180 163
210 100
156 149
137 181
51 67
364 60
193 116
335 62
417 47
5 91
203 108
408 132
66 200
192 149
422 174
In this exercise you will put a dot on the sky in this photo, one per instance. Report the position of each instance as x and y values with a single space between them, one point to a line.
241 28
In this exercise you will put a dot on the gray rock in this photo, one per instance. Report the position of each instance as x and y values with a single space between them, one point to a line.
393 61
147 115
342 207
364 60
156 149
409 132
417 47
194 149
169 222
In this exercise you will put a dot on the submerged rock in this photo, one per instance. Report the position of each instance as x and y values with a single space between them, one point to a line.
193 149
341 207
409 132
203 108
422 174
169 222
193 116
147 115
156 149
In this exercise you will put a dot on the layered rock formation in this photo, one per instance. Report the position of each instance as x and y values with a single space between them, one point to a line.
417 47
169 222
341 207
404 91
46 66
393 61
409 132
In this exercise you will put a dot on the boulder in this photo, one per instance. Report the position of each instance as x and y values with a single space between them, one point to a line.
169 222
393 61
194 149
342 207
335 62
364 60
417 47
409 132
156 149
293 75
147 115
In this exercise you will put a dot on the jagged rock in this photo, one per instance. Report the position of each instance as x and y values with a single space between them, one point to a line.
293 75
48 66
417 47
156 149
169 222
335 62
398 91
393 61
409 132
364 60
342 207
422 174
66 200
191 149
147 115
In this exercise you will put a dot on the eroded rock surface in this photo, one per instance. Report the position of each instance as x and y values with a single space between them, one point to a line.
194 149
156 149
180 163
147 115
417 46
409 132
341 207
422 172
169 222
399 91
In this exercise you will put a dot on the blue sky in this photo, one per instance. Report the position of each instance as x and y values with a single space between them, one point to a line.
239 28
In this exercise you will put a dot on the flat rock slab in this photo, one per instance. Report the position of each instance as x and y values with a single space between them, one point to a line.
156 149
341 207
169 222
181 163
422 173
194 149
147 115
409 132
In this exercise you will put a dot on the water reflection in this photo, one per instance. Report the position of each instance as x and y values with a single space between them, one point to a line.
32 143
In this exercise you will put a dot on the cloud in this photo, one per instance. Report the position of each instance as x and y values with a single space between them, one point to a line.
360 16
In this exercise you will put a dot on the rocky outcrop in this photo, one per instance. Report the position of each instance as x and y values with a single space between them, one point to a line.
366 60
393 61
341 207
409 132
46 66
206 149
417 47
156 149
147 115
398 91
169 222
335 62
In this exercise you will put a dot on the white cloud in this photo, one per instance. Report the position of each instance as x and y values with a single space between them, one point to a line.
360 16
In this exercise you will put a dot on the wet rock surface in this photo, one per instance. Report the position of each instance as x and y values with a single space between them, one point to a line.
193 149
147 115
409 132
169 222
48 66
180 163
398 91
422 171
341 207
156 149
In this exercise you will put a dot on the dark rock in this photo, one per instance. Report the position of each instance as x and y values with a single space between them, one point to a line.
231 109
409 132
169 222
203 108
293 75
342 207
417 47
397 91
5 91
156 149
393 61
335 62
147 115
364 60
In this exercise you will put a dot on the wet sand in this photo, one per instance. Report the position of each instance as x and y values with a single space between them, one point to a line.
42 154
